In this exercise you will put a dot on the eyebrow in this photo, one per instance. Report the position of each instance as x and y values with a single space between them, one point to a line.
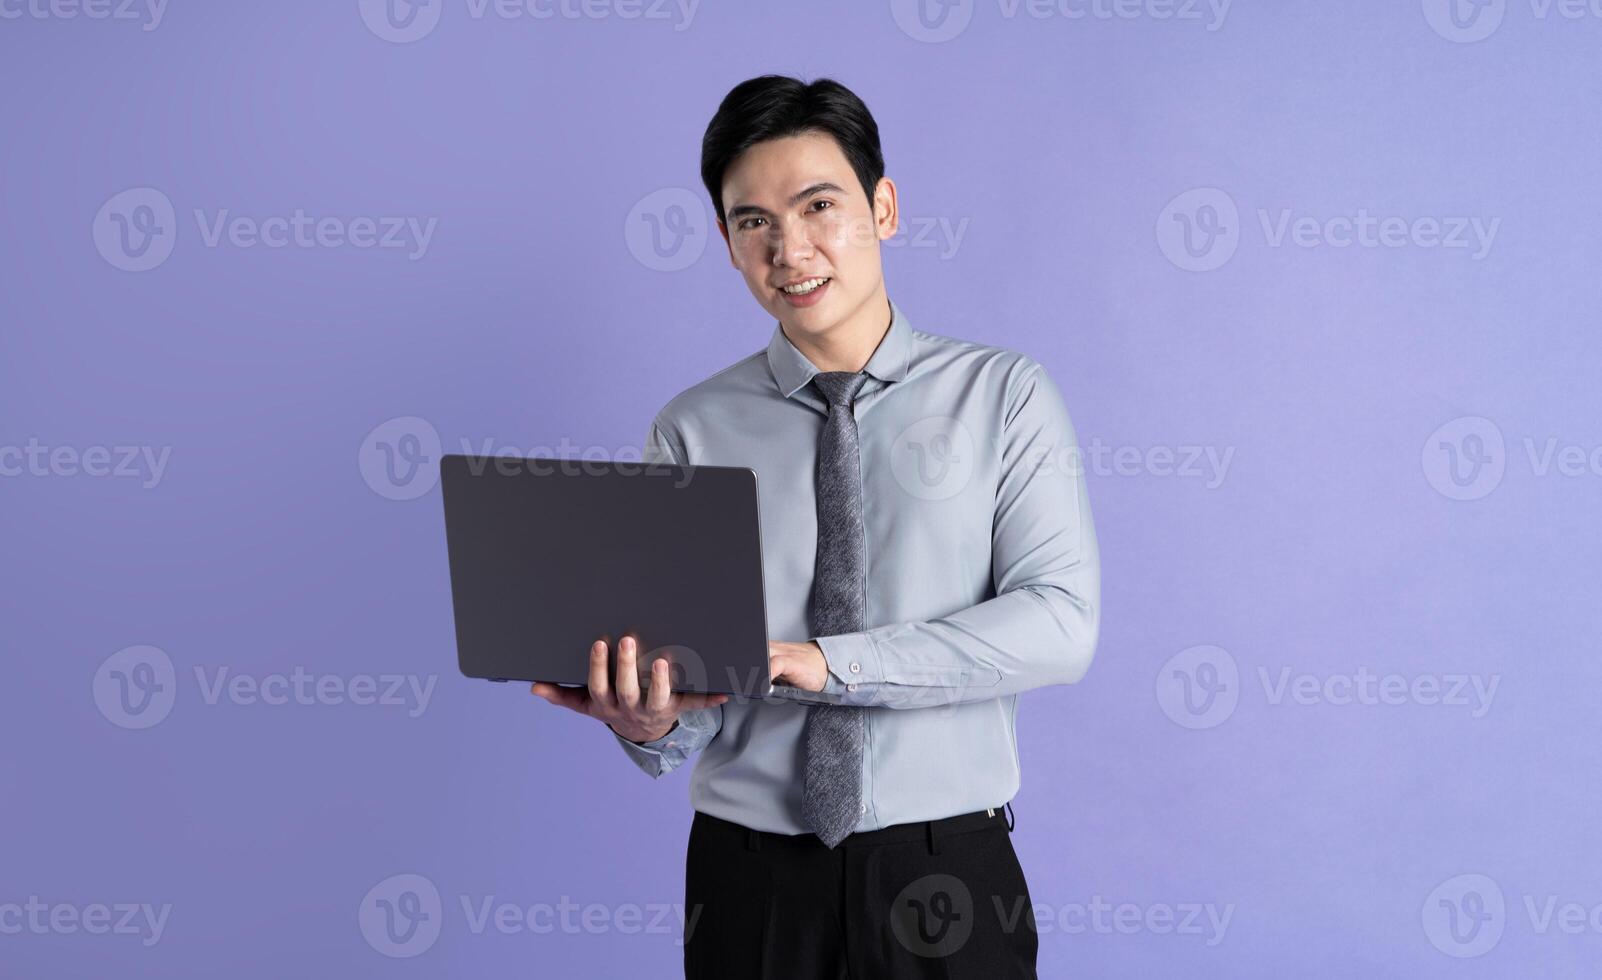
822 186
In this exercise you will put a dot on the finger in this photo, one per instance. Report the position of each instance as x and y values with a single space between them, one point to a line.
572 698
628 678
660 694
600 685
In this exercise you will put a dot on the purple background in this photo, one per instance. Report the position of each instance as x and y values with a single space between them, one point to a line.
540 312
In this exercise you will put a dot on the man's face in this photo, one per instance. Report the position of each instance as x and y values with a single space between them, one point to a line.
796 214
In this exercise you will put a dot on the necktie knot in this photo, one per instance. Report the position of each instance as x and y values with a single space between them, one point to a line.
839 387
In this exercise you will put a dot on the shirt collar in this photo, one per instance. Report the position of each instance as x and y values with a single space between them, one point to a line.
791 369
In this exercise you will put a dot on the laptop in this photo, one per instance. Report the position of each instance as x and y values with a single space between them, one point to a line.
547 555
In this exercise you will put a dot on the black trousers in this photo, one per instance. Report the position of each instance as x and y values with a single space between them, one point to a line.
943 898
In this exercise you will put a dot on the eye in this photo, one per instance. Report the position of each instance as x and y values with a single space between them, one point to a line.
824 203
746 224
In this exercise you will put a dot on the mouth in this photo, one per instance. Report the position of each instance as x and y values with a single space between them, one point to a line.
805 292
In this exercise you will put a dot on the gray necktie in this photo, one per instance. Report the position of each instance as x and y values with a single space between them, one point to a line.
835 734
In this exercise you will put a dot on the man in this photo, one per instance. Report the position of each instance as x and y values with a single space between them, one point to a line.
924 526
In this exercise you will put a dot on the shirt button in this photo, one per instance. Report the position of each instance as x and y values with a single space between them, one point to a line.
856 668
672 744
863 808
851 687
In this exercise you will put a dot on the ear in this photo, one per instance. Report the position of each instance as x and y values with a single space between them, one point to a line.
723 230
886 215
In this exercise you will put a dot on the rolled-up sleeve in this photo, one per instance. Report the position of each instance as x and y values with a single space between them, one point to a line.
694 728
1040 628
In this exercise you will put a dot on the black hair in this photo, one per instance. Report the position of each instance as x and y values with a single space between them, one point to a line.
775 106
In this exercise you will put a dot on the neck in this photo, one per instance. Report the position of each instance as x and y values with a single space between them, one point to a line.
849 344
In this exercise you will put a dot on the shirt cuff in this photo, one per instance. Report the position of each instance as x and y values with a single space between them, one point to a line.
832 693
660 755
854 666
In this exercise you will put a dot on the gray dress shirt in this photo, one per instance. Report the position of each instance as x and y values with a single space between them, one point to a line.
983 578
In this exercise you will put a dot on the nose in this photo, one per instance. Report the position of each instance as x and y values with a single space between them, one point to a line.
791 243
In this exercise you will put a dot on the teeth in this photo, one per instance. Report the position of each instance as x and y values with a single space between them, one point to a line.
801 289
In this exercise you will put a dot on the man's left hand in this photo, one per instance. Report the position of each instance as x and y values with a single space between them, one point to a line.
798 664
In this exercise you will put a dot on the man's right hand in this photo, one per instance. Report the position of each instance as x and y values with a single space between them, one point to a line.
635 715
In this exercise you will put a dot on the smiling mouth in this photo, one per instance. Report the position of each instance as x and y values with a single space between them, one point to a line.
805 286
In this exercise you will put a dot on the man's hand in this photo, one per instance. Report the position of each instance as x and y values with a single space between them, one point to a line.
635 715
798 665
